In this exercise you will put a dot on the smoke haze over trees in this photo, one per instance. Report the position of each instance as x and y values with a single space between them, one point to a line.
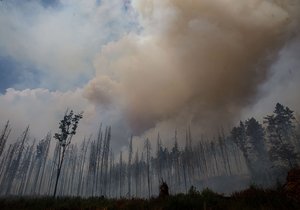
251 153
147 65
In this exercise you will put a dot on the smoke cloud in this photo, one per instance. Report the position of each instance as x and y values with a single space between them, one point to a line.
198 62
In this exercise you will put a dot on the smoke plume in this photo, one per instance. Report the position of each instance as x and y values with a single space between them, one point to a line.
201 61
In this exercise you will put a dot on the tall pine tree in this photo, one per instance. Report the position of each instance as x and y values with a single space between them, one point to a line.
280 131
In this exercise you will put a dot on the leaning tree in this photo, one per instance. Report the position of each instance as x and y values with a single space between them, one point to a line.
67 126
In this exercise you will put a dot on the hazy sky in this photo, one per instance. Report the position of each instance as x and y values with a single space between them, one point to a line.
145 66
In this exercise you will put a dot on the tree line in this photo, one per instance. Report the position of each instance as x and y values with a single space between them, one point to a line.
262 152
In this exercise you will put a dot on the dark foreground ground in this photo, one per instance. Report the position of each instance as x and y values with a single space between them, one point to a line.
252 198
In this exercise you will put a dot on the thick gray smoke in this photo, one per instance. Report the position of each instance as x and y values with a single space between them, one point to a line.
198 60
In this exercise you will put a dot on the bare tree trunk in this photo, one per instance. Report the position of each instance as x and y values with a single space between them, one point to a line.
148 150
44 162
129 167
60 162
16 162
120 175
4 136
98 169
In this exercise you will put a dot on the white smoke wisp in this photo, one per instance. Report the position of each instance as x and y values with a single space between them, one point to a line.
200 61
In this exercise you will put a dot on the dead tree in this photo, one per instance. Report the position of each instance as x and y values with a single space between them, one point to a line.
129 167
45 152
148 155
106 146
137 173
82 161
98 161
4 136
17 155
121 174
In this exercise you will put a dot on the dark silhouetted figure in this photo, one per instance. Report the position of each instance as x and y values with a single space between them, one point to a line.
163 190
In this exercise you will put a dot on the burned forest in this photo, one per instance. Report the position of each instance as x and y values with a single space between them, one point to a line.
252 152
